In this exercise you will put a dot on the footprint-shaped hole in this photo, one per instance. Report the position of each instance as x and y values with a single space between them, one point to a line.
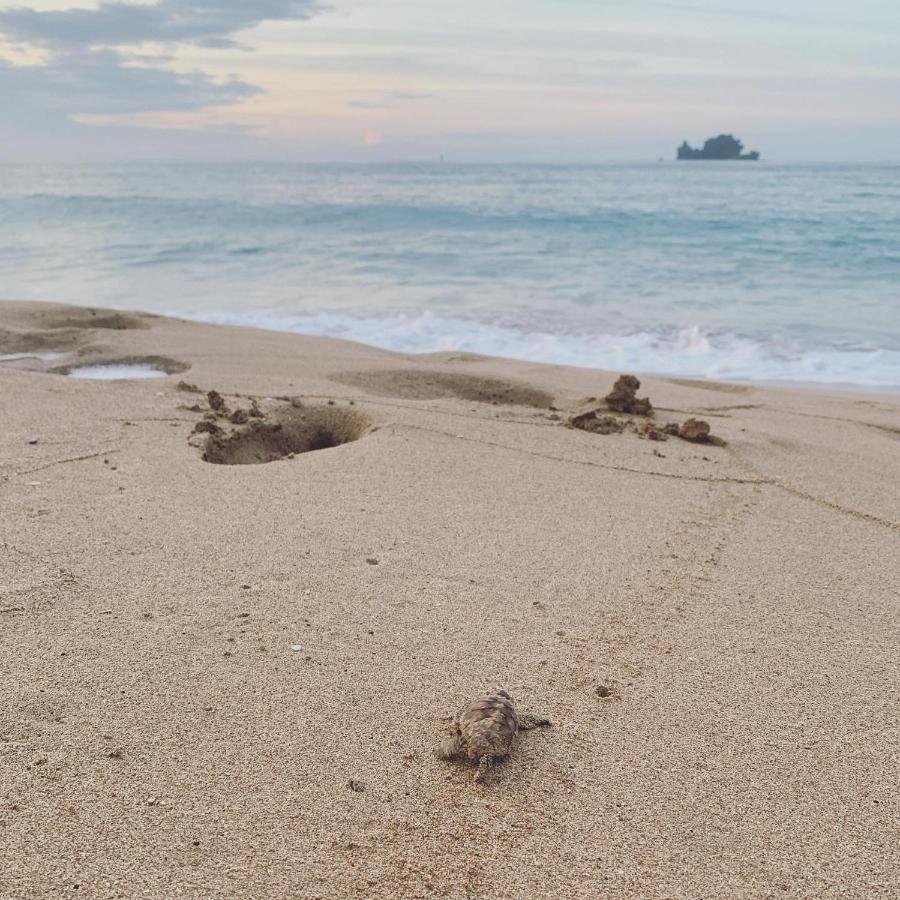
287 431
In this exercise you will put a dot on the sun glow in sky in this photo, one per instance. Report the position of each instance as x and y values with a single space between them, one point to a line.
491 80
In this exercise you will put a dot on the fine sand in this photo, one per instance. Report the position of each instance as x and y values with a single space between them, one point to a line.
226 680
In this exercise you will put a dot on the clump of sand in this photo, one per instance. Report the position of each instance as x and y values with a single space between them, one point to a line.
639 418
623 397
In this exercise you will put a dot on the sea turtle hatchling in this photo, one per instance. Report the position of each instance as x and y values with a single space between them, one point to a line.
484 730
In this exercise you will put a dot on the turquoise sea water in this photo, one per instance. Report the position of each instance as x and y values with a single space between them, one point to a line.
726 270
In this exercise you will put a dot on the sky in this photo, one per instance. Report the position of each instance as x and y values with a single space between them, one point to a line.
471 80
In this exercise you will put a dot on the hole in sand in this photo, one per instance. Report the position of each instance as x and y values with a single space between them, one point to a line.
129 367
414 384
285 432
706 385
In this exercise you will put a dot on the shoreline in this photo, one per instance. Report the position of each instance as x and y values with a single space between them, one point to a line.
890 390
818 387
237 600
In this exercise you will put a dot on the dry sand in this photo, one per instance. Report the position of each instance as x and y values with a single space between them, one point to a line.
161 738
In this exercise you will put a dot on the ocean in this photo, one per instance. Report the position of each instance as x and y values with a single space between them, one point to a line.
742 271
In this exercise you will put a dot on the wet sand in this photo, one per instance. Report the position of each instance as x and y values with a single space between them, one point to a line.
221 679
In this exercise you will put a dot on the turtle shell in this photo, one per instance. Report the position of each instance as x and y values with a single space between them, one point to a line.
488 726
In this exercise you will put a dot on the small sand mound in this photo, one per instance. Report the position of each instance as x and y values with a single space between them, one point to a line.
163 363
91 318
287 431
37 341
697 432
623 397
411 384
216 401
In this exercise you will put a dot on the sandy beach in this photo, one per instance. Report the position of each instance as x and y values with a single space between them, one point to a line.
226 680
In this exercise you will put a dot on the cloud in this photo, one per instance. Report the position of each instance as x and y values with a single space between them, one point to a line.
740 12
411 95
209 24
369 104
93 65
390 100
100 82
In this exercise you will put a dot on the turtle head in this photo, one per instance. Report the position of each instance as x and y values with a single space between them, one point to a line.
451 743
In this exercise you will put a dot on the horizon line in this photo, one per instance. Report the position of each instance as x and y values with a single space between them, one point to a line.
418 161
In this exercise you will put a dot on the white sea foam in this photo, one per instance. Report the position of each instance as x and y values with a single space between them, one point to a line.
689 352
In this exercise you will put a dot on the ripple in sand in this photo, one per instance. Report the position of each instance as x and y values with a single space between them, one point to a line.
46 357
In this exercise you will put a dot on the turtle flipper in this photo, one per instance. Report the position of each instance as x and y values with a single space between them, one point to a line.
485 764
527 722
